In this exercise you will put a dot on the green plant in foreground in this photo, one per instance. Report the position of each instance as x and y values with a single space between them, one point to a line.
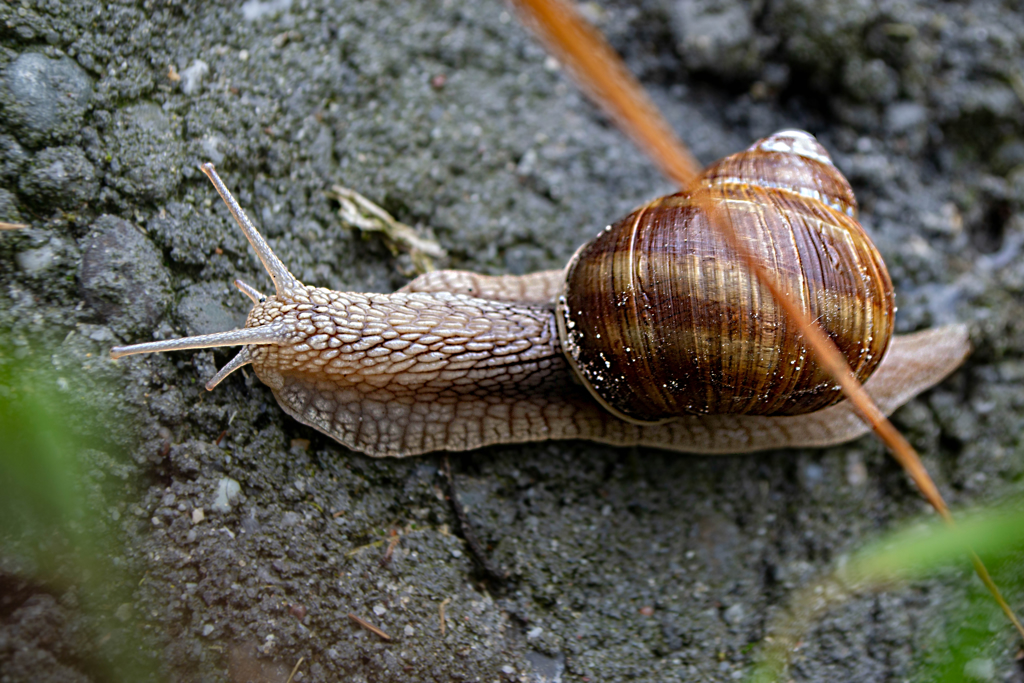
959 645
54 532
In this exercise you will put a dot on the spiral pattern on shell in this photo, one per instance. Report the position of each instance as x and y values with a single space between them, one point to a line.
660 317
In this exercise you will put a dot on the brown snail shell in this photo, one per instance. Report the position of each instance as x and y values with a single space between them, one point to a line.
661 295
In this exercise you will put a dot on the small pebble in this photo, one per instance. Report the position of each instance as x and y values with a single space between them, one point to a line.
254 10
734 615
211 148
192 77
856 471
813 474
227 492
35 261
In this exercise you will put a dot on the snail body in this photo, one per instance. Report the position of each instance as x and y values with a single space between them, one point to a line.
455 360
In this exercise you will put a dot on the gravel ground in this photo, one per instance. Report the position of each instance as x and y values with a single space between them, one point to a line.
624 564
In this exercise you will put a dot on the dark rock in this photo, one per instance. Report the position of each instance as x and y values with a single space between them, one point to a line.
123 278
50 96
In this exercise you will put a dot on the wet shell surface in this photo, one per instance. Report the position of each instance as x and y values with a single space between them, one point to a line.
660 317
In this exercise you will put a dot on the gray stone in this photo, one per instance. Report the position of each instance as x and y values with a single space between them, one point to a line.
716 36
211 148
202 310
9 207
183 233
1009 156
13 158
227 493
901 117
253 10
910 120
192 77
123 278
870 80
735 615
819 35
50 96
60 176
35 261
149 153
124 612
545 669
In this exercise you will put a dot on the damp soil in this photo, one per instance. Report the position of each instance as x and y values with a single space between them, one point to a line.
238 542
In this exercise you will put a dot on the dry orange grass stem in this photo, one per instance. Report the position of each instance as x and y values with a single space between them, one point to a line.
441 614
368 626
602 75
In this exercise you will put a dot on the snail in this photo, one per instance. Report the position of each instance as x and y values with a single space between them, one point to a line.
653 335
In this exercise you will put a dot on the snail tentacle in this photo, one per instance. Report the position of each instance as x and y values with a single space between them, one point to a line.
284 282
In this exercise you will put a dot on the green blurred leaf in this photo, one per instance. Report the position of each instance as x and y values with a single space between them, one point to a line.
921 549
965 643
54 536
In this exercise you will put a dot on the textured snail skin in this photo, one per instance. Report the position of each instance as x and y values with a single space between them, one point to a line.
426 369
542 287
409 373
